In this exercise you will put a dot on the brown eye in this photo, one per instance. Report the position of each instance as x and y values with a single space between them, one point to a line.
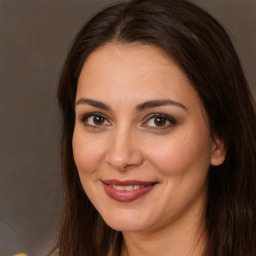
159 121
94 120
98 120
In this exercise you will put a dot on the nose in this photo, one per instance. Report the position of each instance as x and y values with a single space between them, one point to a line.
124 151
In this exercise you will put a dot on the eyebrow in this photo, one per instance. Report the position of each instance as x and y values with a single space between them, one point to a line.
93 103
139 108
158 103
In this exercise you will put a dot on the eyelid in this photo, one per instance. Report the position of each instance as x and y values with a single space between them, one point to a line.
169 118
172 121
85 117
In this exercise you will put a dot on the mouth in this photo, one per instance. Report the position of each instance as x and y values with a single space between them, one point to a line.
127 191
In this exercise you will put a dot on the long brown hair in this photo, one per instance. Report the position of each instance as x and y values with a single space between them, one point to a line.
205 53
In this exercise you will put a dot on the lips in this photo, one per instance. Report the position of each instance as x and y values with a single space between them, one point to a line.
127 191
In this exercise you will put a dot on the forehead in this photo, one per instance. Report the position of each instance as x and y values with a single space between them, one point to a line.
137 62
133 73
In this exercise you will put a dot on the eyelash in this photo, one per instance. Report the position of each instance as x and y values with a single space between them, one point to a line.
84 119
166 118
172 121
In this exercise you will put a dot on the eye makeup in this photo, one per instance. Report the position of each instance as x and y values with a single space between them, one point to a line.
94 120
157 121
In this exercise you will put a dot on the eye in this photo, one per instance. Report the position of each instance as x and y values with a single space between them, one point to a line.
159 121
95 119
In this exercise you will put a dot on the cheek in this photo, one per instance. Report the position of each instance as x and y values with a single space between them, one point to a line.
88 152
182 153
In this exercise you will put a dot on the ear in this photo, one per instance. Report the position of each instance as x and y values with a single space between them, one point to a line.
218 154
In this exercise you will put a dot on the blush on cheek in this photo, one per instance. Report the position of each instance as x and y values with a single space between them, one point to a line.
88 154
84 161
175 157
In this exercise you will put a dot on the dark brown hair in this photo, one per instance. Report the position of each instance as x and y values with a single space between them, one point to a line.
205 53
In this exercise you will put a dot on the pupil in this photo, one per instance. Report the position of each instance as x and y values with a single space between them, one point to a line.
159 121
98 120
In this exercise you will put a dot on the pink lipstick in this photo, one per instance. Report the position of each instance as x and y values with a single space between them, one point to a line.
127 191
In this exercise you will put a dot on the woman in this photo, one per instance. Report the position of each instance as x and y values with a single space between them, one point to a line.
158 141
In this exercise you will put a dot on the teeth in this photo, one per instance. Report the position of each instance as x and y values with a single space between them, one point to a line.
118 187
127 188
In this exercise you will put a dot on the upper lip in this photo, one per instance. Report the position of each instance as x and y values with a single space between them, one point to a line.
129 182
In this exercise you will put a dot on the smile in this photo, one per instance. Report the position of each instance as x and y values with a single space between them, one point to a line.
126 191
127 188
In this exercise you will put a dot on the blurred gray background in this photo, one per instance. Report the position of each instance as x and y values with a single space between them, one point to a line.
34 38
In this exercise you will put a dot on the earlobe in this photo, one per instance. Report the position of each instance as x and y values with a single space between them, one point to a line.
218 154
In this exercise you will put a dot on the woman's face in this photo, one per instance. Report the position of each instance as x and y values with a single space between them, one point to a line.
141 141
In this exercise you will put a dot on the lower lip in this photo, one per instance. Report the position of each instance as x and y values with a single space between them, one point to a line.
126 196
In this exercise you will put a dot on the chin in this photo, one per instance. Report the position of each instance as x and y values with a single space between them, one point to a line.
127 227
129 222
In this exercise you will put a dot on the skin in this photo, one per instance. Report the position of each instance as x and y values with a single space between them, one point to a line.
127 144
